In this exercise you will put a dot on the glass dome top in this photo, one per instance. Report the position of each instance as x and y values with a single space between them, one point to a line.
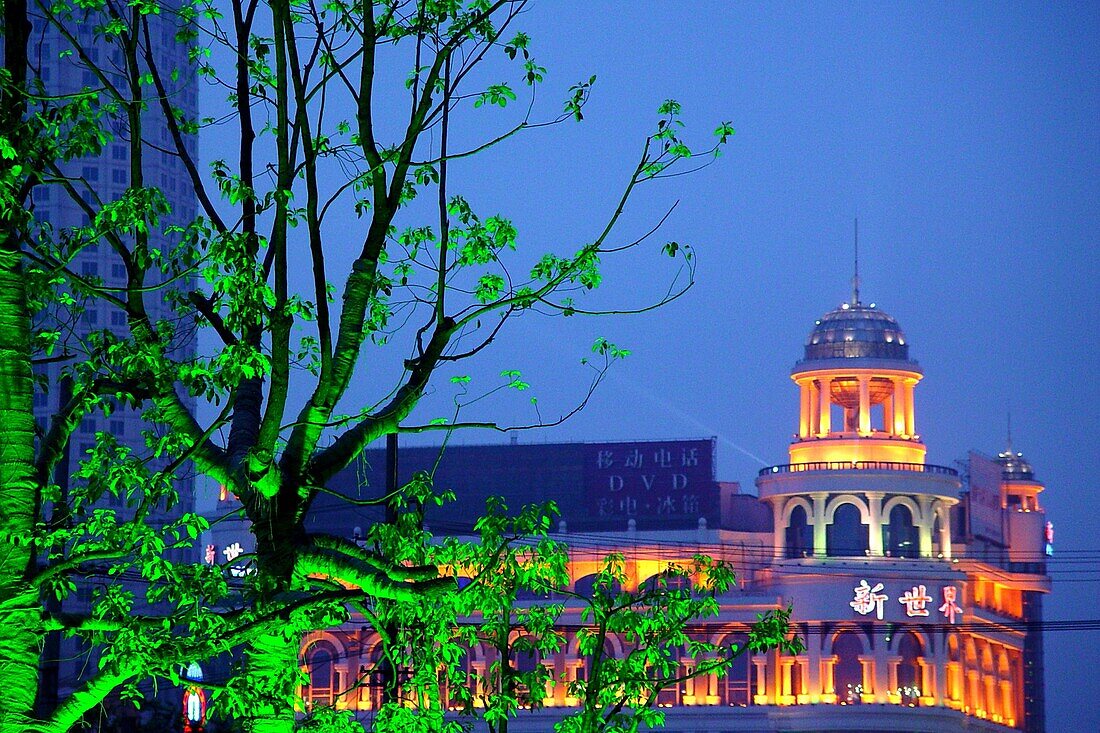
1014 467
853 331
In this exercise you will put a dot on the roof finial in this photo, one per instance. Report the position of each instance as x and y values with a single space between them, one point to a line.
1008 448
855 278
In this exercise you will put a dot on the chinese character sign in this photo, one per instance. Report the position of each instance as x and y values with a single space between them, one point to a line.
868 599
916 601
950 609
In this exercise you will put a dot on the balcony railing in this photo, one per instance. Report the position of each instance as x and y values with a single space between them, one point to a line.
858 466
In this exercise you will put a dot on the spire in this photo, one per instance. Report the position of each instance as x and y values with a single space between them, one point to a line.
1008 447
855 278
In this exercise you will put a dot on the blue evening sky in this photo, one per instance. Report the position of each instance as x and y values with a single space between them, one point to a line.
965 137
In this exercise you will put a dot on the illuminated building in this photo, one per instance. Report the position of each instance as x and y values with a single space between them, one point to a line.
917 587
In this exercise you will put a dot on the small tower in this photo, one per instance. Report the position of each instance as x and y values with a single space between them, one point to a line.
857 484
856 364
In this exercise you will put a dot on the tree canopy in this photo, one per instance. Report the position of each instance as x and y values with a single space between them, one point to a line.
333 243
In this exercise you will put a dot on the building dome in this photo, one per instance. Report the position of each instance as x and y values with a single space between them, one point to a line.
853 331
1014 467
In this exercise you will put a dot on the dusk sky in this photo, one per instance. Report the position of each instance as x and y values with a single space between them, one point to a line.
965 137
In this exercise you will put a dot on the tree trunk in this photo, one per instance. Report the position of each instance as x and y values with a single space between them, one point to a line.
20 608
271 664
271 661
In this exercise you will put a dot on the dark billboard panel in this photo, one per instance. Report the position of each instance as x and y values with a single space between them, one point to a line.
664 481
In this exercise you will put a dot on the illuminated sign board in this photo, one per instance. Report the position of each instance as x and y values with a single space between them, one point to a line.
868 598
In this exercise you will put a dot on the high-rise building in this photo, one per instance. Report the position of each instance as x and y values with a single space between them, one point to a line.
66 62
917 587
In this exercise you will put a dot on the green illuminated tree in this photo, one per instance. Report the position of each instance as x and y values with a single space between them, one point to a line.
341 115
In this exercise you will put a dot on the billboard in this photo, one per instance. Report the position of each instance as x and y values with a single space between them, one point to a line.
984 499
652 482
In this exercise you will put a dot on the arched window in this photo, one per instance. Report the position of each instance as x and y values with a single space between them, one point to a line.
848 672
909 668
800 541
899 536
525 660
847 535
324 677
740 680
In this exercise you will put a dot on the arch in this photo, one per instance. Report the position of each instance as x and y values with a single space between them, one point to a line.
840 500
795 501
846 535
900 533
799 538
914 509
612 645
586 586
847 646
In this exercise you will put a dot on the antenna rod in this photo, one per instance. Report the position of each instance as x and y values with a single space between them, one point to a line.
855 279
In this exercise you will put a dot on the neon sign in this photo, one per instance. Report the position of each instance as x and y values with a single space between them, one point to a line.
868 599
916 601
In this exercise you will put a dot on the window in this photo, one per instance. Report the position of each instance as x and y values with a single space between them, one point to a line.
324 677
90 173
118 271
118 318
89 269
800 542
848 673
118 175
899 536
847 535
118 152
87 425
118 428
741 677
909 670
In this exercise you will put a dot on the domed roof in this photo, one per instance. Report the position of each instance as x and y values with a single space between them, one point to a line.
1014 467
853 331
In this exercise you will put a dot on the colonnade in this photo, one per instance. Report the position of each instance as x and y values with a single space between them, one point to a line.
816 402
874 509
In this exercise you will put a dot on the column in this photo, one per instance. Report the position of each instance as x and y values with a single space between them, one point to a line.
874 516
1007 712
779 536
910 426
828 679
883 668
869 681
927 682
824 406
899 407
864 404
892 685
888 414
815 408
804 408
783 694
813 686
819 524
760 696
924 525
